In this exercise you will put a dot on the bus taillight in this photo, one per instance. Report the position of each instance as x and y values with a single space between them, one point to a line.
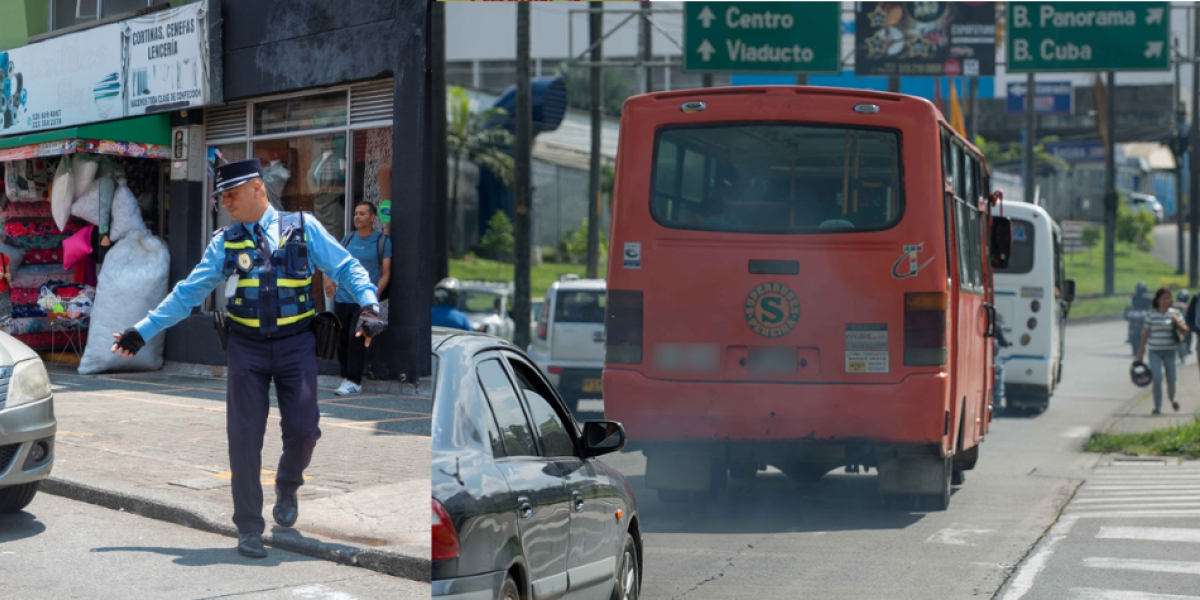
623 328
925 329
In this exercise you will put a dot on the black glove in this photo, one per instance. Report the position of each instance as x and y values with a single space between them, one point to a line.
369 321
131 341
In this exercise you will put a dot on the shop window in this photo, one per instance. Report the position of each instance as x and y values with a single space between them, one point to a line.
321 111
311 175
68 13
372 167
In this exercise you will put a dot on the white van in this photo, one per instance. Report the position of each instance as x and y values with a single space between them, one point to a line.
1032 301
568 343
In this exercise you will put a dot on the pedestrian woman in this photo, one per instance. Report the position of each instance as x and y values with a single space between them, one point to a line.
1162 333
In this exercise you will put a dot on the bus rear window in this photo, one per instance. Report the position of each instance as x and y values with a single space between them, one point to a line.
579 307
1022 248
777 178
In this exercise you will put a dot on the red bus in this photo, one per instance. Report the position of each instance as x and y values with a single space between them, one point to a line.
802 278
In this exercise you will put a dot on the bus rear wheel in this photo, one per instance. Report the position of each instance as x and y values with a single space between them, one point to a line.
804 472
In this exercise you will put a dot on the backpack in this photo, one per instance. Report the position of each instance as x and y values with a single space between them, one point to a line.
380 244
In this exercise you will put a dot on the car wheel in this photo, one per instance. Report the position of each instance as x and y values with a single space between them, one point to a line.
509 590
805 472
17 497
629 582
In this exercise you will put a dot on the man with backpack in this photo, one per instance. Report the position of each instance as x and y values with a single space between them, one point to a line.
373 250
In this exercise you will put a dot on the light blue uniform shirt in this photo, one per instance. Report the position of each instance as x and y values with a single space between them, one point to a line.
324 252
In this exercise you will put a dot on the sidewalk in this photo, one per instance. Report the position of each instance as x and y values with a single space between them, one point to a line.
154 444
1136 417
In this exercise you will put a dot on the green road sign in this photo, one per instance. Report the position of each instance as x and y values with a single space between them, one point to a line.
775 37
1088 36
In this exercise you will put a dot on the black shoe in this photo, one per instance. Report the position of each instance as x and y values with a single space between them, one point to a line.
286 509
250 545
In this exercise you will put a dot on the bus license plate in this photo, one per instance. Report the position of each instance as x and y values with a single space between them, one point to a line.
592 384
773 360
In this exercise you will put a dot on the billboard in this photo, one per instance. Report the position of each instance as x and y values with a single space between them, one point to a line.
925 39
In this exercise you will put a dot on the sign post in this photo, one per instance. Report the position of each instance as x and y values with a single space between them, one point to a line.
771 37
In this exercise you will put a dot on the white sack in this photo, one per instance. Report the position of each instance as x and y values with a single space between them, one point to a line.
87 206
132 283
126 216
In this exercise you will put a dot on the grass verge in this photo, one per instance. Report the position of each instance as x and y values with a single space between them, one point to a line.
1183 440
1132 265
479 269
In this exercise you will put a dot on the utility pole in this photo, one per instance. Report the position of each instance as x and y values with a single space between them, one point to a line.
522 205
706 80
1110 184
596 32
973 121
1193 164
644 47
1030 136
1177 146
802 79
437 59
894 84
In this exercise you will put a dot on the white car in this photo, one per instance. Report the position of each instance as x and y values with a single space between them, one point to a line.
488 307
1147 203
27 424
568 343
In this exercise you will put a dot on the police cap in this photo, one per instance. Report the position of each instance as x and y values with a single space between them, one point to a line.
234 174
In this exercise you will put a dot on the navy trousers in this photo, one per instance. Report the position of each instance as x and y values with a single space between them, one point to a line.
291 363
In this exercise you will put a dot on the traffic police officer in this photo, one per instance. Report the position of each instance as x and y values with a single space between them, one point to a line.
264 259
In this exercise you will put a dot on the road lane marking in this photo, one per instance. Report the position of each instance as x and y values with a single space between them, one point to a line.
1126 493
1076 432
1118 488
1031 568
956 537
1152 534
1138 564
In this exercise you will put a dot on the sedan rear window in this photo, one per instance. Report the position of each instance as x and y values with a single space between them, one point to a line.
580 307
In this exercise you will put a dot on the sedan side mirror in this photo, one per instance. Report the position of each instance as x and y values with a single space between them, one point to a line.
1001 242
1068 292
602 437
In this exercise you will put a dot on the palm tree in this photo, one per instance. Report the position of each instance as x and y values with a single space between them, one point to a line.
470 135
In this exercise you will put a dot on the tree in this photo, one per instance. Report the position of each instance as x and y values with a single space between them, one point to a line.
994 153
617 86
498 242
470 136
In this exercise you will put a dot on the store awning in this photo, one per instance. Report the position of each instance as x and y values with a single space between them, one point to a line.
141 137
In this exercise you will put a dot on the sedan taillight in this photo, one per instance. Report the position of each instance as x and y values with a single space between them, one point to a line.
445 539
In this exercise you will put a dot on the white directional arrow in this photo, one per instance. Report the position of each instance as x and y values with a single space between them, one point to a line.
1154 16
1153 50
707 17
706 49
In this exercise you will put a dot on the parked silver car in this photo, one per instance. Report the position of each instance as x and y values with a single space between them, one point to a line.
27 424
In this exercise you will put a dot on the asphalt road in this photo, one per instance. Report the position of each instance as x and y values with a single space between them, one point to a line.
63 549
776 539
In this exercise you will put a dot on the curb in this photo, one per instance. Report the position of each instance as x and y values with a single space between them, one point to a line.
407 563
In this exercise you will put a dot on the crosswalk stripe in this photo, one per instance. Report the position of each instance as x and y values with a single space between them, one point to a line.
1095 594
1150 534
1122 514
1193 477
1153 486
1137 505
1084 493
1107 499
1137 564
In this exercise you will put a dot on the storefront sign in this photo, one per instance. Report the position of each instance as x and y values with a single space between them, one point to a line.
148 64
925 38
